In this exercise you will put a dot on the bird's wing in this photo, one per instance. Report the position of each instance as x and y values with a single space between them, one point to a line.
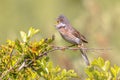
79 35
83 38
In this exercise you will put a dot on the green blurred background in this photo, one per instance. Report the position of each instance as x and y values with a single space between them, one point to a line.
97 20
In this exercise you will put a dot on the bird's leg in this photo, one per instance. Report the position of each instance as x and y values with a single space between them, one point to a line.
82 46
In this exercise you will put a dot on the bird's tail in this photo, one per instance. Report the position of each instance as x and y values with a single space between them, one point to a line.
83 52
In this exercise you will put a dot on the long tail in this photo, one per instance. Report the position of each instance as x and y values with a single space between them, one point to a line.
83 52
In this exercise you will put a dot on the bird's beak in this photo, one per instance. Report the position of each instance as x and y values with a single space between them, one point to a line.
57 22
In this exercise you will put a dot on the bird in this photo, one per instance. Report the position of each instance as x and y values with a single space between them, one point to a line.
71 35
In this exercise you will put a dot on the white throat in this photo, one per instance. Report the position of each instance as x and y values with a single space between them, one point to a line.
60 25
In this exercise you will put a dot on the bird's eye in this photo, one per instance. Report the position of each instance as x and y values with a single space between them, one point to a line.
58 22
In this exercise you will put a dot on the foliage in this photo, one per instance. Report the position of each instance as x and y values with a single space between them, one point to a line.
27 60
101 70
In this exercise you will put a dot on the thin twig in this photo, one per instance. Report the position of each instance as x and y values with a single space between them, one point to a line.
22 66
77 48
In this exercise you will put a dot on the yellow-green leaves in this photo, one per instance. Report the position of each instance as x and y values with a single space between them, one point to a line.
104 65
32 32
23 36
26 36
101 70
115 70
27 60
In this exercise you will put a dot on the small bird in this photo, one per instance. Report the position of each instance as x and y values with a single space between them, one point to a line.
71 35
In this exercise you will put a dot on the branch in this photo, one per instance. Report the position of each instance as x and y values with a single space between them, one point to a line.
77 48
54 48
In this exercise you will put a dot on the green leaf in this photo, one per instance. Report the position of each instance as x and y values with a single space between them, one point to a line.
106 66
18 46
23 36
101 70
63 72
32 31
98 62
115 70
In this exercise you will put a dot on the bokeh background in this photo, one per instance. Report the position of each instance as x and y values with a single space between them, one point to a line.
97 20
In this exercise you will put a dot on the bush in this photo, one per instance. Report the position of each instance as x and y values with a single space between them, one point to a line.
28 60
101 70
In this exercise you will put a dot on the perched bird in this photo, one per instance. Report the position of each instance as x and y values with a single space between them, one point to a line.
71 35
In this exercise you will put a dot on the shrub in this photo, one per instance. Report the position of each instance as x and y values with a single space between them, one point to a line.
28 60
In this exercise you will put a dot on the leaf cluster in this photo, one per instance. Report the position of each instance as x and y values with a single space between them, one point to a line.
102 70
28 60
